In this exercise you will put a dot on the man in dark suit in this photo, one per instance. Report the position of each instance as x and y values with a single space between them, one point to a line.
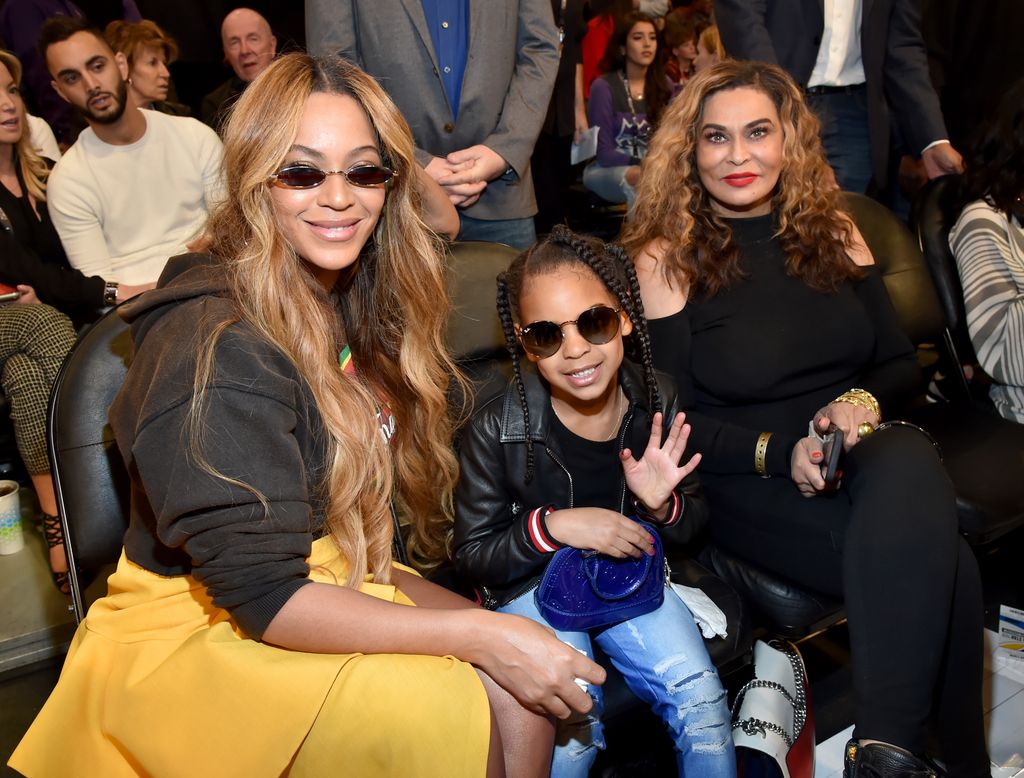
249 47
472 78
860 62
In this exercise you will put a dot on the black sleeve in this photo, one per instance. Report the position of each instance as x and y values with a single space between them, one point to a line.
725 447
250 555
497 542
894 376
61 287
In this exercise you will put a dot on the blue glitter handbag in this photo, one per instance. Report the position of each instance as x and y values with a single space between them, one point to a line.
582 589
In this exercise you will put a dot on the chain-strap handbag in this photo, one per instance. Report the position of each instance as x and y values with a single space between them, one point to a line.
772 719
583 589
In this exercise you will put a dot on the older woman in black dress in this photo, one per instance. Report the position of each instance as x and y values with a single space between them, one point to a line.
766 307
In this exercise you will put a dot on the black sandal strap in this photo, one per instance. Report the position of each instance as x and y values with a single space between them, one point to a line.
52 530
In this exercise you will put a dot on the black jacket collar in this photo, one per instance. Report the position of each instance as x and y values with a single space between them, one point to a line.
538 399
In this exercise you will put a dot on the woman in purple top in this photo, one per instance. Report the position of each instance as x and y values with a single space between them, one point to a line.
625 103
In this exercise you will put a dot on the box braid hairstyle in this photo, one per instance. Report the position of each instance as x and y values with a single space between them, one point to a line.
610 263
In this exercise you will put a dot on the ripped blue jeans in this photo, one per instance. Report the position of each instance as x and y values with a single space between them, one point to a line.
662 657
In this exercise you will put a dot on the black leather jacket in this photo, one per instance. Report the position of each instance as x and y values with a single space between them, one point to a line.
501 543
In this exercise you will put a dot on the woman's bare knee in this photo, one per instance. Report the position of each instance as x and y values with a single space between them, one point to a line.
524 738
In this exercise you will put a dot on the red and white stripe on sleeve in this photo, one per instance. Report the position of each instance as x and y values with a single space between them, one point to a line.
538 531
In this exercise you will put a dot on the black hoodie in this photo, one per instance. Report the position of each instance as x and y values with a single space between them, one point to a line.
259 426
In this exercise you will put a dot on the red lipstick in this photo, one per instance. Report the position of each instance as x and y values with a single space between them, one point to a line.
740 179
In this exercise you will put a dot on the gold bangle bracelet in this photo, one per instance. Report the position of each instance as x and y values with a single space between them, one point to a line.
760 452
861 398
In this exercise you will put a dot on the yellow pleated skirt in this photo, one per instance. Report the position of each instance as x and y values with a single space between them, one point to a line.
160 682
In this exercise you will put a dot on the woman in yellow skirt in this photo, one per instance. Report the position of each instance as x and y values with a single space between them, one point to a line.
288 387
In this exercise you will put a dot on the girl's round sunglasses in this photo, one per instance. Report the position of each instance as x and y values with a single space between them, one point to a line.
597 325
309 177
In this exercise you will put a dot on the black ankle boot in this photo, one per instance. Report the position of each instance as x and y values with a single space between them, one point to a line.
881 761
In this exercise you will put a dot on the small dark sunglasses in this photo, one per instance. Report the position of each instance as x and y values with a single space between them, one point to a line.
597 325
309 177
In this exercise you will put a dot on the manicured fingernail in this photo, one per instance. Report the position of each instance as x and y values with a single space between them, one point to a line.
815 455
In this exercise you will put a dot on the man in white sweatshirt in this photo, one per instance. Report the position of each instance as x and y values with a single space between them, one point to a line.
137 185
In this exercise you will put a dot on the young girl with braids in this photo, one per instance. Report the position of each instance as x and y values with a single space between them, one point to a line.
550 463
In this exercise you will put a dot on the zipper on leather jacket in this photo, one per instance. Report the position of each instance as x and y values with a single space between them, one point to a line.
488 600
565 470
622 442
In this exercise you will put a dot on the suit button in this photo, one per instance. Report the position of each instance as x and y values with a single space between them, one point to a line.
449 127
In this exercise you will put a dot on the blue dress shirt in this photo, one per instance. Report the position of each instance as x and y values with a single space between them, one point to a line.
448 21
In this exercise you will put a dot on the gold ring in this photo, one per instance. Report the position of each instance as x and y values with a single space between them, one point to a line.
865 428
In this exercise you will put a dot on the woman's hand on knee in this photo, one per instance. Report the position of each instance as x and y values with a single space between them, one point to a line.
805 467
530 663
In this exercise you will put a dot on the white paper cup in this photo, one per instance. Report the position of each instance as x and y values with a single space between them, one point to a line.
11 539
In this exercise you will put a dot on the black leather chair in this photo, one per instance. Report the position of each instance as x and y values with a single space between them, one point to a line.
590 213
931 217
983 453
89 477
479 345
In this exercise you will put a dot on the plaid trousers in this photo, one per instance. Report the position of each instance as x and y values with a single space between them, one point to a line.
34 339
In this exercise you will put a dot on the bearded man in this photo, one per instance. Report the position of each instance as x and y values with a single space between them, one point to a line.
137 185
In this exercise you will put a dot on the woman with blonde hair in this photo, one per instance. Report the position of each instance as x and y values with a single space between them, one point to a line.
765 305
710 50
148 51
285 406
35 338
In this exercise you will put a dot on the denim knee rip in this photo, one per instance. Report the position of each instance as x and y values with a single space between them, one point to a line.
702 711
580 736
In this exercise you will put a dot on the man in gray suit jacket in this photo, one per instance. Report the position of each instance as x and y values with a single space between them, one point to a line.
890 70
473 79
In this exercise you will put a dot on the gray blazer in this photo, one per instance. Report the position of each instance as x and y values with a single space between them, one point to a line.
788 33
510 72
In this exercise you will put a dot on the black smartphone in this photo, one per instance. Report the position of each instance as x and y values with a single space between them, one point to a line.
833 451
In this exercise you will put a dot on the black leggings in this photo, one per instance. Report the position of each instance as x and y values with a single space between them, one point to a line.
888 544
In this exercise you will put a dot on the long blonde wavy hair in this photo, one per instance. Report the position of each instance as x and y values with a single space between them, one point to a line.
672 204
33 168
394 309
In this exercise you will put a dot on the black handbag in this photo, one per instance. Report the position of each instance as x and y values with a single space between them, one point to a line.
582 589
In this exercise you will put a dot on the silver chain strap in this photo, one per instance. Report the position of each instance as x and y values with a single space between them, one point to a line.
755 726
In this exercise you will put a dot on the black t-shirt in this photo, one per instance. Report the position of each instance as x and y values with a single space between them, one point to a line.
593 465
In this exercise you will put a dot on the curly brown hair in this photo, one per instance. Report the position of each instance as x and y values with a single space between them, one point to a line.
674 207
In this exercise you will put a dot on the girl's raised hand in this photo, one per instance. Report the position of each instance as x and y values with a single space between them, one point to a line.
599 529
653 477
